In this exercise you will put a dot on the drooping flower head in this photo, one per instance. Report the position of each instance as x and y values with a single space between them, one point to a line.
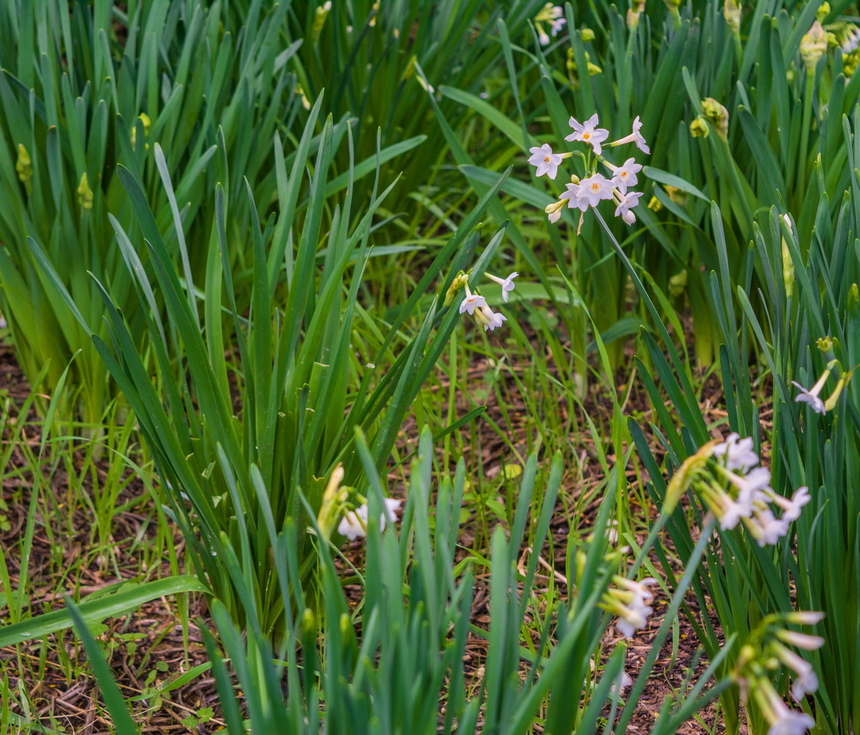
507 284
634 137
471 302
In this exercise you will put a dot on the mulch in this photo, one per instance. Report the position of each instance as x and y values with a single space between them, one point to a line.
148 648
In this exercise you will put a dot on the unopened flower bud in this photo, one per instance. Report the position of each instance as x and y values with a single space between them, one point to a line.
853 297
699 128
823 11
717 114
678 284
804 617
24 167
85 194
825 344
458 284
678 196
787 269
830 403
655 205
732 14
813 46
586 34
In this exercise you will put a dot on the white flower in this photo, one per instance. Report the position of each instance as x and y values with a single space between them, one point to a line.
557 24
811 396
768 528
543 38
635 614
852 41
733 511
574 201
545 160
627 202
789 722
791 508
588 132
507 284
800 640
553 210
489 319
805 680
595 188
353 525
634 137
752 487
625 174
471 302
738 453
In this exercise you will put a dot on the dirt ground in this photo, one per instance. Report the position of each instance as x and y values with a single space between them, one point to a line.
151 645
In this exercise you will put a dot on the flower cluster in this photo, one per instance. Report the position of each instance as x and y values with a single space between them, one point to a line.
476 305
765 651
552 14
629 601
726 477
588 191
353 523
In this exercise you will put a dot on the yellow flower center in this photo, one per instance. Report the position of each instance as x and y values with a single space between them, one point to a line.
546 158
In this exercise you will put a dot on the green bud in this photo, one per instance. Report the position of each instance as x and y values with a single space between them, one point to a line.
85 194
853 297
586 34
308 623
460 282
787 269
699 128
24 167
678 284
319 21
655 205
825 344
678 196
823 11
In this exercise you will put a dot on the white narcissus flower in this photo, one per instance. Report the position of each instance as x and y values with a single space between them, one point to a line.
766 528
624 175
489 319
789 722
627 202
753 486
791 508
636 613
595 188
733 511
811 396
471 302
738 453
545 160
557 24
634 137
588 132
507 284
553 211
353 525
574 201
805 680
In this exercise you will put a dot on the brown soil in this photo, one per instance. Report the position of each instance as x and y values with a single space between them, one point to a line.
150 646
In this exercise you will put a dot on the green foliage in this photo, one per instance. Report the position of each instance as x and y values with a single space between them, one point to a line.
414 622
